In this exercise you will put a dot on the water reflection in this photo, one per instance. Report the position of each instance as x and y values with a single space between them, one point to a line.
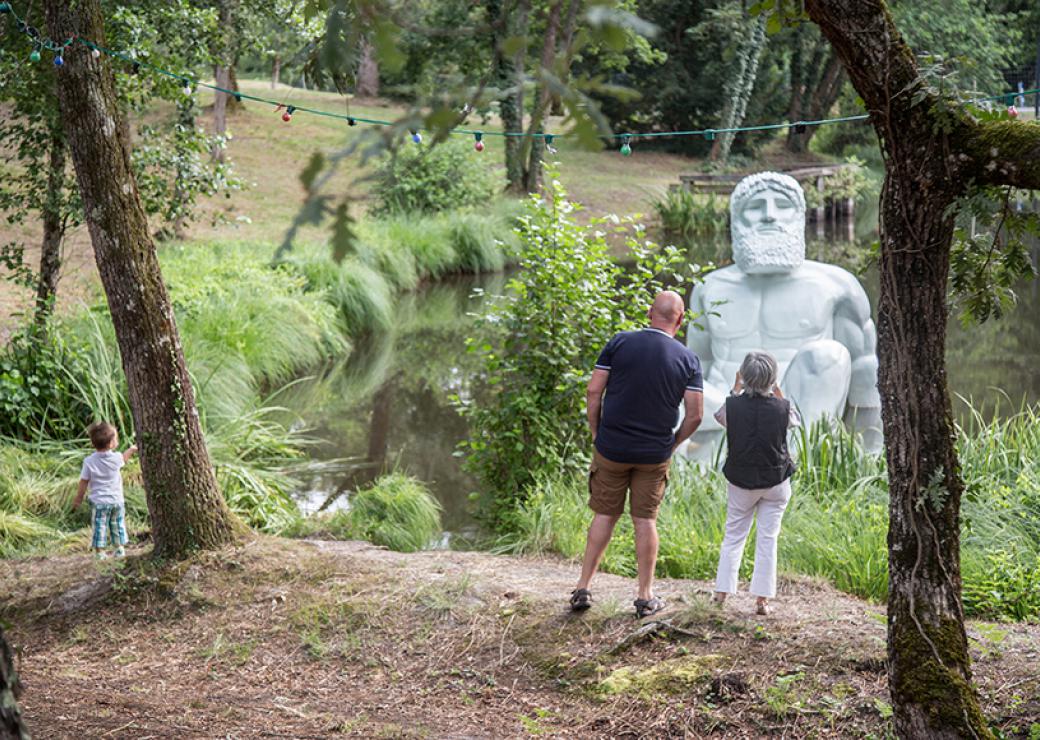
388 406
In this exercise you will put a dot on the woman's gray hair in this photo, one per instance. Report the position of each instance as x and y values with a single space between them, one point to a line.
759 372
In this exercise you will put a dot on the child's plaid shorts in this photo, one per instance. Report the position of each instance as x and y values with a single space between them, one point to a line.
108 518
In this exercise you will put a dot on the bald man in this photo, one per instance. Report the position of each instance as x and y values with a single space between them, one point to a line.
633 407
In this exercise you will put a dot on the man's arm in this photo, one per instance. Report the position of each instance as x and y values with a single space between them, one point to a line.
693 403
594 398
80 492
854 328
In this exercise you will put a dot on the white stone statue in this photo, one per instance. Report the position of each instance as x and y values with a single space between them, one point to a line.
813 317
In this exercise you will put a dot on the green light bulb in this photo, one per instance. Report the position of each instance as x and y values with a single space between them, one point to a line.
625 150
35 56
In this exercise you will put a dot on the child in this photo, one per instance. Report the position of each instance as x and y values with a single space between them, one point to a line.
101 473
758 471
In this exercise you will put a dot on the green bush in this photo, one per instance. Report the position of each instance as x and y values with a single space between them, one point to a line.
35 394
696 222
429 179
566 301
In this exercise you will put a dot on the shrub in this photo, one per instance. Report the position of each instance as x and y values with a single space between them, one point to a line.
429 179
567 300
695 222
35 394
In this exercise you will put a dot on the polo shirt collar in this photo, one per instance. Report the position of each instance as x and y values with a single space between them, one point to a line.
659 331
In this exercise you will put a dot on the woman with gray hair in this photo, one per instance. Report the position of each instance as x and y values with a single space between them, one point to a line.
758 470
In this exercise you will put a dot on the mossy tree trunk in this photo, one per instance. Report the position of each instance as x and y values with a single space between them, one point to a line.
186 507
11 725
925 171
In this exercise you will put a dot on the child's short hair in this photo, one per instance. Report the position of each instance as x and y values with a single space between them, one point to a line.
101 435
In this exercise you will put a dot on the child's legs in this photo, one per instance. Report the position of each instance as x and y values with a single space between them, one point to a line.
99 536
740 512
117 526
770 513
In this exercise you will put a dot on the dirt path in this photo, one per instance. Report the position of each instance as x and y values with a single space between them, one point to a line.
319 639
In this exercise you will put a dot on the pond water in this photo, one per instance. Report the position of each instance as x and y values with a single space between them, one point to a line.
389 405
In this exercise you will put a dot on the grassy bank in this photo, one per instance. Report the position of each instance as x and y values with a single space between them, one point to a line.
837 523
248 329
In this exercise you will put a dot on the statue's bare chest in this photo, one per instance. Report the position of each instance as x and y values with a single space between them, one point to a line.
766 307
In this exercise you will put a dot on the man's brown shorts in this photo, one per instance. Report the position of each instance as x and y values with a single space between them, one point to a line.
609 481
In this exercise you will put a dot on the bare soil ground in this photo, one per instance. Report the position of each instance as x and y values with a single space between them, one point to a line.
280 638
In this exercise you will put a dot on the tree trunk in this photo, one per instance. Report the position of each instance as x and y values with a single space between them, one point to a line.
932 152
276 70
740 91
187 509
566 51
535 145
53 229
220 101
234 103
509 77
11 725
368 72
824 95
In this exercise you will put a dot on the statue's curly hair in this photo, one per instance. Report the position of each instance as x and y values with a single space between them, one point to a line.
760 181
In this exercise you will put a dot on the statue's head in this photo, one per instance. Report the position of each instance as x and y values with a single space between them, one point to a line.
767 223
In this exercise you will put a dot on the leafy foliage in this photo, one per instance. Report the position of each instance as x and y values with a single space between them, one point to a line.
429 179
568 298
990 254
36 394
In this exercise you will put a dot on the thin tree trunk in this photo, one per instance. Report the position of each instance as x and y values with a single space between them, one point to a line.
566 51
932 153
220 103
276 70
368 72
744 84
824 96
186 507
510 77
11 725
535 145
234 103
53 229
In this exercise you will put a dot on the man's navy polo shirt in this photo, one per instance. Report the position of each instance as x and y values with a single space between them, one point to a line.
649 373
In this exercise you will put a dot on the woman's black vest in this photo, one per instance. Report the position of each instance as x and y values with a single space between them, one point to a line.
756 435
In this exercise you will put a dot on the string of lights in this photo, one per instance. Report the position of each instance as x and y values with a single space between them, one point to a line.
191 83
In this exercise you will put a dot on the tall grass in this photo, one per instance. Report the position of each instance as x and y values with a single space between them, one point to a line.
396 511
836 526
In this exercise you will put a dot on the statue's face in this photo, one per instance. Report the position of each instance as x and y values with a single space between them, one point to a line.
768 231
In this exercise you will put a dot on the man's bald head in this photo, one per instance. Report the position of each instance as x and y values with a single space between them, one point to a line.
667 312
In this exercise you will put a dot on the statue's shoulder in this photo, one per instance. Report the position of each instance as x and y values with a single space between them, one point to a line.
831 272
724 276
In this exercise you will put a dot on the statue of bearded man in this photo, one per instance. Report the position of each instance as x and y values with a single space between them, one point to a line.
814 318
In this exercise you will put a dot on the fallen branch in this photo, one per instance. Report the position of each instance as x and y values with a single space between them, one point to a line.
657 628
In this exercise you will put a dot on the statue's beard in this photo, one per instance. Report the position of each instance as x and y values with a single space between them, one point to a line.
780 251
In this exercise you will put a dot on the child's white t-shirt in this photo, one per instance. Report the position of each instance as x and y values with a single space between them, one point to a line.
106 483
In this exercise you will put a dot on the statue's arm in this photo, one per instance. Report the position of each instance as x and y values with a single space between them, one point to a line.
854 328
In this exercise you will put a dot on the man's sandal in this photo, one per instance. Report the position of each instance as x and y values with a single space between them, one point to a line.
581 599
648 607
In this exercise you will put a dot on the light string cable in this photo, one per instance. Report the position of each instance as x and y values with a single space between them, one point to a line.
190 82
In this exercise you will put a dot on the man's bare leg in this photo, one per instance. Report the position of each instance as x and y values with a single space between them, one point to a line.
600 532
646 554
